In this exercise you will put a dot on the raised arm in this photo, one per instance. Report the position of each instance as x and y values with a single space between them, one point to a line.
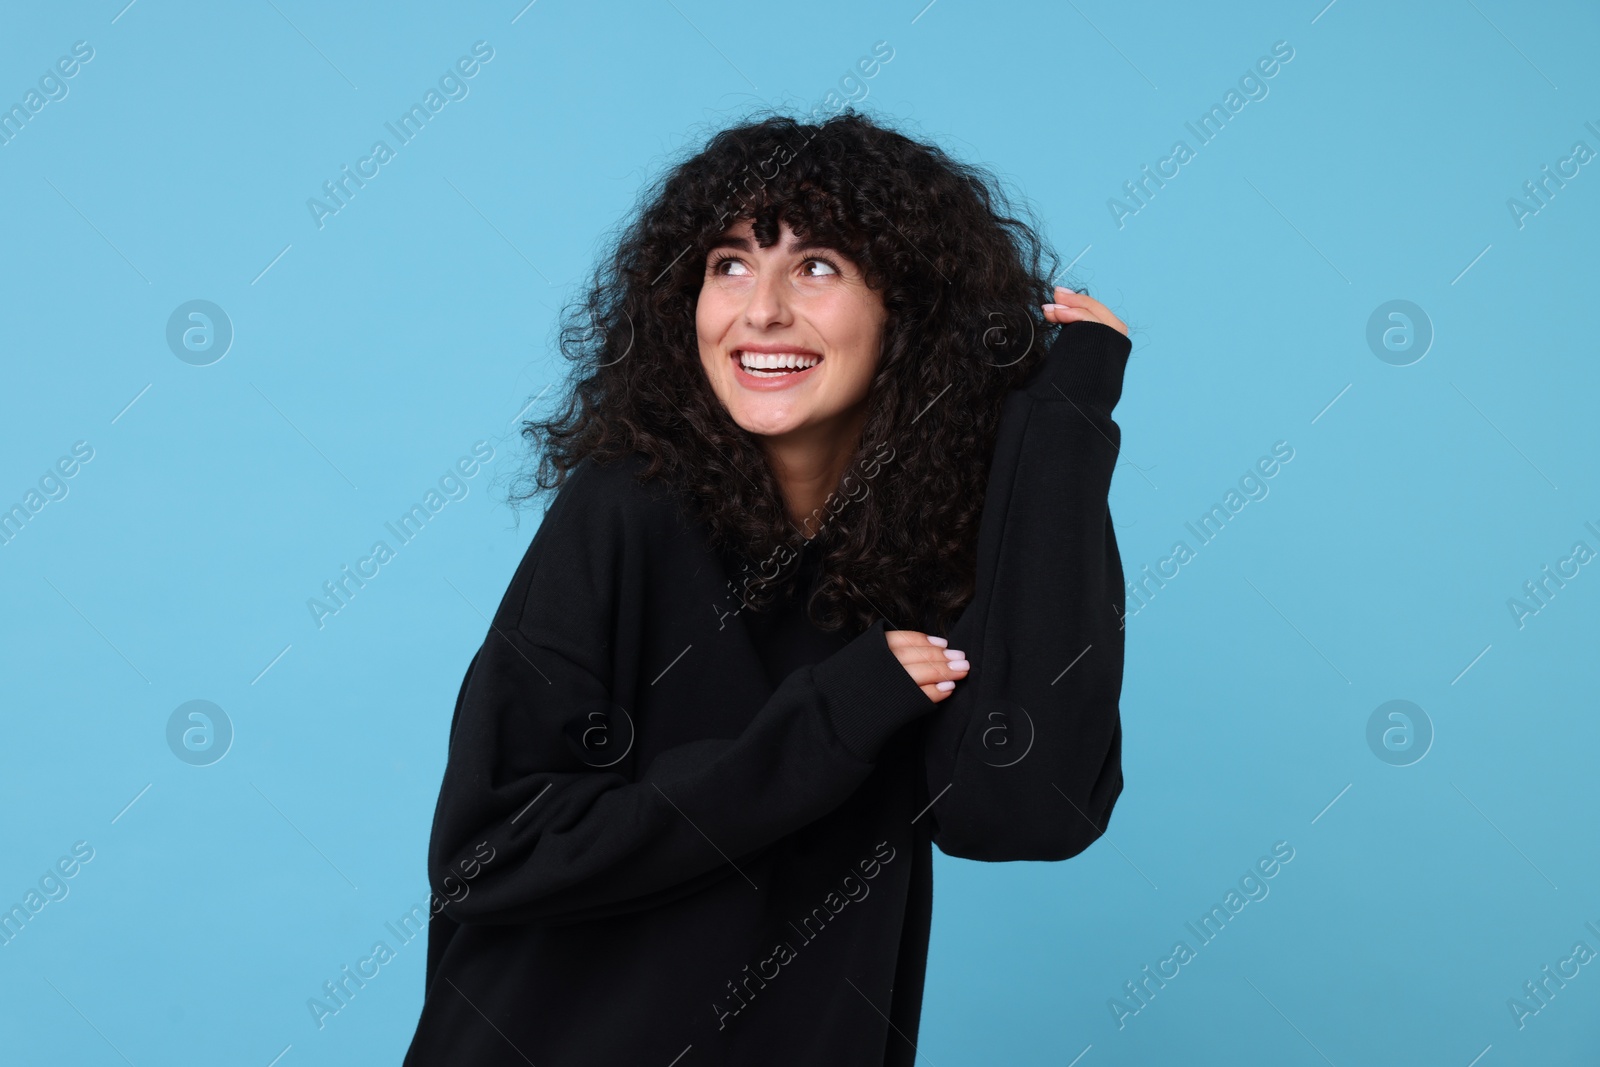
1024 757
529 829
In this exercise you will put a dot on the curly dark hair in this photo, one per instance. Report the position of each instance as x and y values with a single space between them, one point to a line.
962 281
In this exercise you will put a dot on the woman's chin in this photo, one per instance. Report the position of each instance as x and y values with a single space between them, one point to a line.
767 427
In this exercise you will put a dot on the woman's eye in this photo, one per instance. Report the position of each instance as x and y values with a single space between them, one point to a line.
732 266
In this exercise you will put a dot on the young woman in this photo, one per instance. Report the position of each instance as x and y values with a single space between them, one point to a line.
829 579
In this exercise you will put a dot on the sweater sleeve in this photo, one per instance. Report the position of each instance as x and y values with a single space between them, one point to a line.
1023 760
536 822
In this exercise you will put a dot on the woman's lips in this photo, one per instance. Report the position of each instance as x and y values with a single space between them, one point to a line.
775 381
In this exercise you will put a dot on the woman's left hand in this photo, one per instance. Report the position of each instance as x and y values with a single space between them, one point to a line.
1075 307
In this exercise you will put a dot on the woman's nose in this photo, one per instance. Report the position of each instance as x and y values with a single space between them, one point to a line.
768 303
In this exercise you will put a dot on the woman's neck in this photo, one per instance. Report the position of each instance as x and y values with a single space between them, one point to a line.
809 465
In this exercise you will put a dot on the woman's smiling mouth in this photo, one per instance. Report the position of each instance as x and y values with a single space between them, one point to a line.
772 366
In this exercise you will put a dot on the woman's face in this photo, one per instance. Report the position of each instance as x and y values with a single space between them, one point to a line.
763 310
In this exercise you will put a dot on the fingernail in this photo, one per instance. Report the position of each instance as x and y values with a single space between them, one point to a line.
945 687
959 665
1055 307
952 653
941 642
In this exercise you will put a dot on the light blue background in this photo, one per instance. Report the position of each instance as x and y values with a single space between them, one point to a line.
377 349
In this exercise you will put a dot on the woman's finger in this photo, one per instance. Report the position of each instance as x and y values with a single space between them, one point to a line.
1075 307
929 665
926 672
914 646
913 639
1073 298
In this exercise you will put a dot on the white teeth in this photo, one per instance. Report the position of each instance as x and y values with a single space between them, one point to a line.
776 360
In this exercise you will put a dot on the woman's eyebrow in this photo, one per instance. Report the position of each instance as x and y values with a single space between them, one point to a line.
798 245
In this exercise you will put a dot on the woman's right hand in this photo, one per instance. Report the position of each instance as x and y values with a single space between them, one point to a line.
932 665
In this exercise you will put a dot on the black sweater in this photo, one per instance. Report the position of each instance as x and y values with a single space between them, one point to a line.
671 832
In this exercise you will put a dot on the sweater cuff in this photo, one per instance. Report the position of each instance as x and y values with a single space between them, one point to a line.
1084 364
868 693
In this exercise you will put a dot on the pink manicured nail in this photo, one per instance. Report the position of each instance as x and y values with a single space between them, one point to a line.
959 665
953 653
945 687
941 642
